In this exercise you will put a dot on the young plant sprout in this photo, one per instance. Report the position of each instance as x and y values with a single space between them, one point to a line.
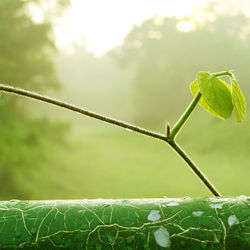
213 94
216 96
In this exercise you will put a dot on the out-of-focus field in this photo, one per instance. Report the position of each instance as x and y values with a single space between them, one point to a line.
111 162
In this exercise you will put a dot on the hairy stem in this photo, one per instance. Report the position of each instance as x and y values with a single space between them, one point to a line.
125 125
81 110
184 117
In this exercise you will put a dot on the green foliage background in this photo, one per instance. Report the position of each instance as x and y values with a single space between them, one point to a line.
26 61
50 153
165 67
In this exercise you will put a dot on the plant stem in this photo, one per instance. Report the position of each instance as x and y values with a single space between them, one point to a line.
193 166
125 125
178 125
223 73
65 105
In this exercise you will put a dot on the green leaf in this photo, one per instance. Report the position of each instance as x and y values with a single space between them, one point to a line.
194 86
238 100
216 94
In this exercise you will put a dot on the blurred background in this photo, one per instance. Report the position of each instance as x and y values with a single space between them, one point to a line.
132 60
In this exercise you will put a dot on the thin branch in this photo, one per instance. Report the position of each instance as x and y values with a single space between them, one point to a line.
125 125
81 110
195 168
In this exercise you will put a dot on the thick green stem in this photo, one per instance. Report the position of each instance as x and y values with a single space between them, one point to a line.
193 166
208 223
184 117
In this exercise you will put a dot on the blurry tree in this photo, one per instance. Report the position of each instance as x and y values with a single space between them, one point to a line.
166 60
25 61
25 47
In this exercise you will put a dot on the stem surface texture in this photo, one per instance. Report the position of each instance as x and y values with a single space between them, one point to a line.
209 223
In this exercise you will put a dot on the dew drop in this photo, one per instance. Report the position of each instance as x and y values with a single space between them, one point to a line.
232 220
129 130
216 205
162 237
154 215
197 213
172 204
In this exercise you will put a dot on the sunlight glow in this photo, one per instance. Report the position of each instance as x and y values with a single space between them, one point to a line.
37 14
185 26
103 25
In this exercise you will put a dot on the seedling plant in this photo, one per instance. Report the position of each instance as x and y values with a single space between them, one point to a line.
216 96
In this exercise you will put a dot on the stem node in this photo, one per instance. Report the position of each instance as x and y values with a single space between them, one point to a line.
168 130
169 137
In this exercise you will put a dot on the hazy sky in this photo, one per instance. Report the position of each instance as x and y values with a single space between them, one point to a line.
104 24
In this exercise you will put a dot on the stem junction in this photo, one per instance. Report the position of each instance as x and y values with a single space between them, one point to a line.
169 138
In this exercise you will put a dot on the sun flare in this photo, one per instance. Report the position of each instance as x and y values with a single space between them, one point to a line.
185 26
102 28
